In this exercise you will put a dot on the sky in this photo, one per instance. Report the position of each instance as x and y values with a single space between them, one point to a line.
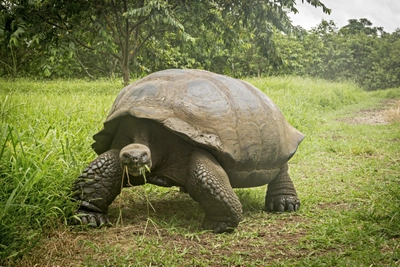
382 13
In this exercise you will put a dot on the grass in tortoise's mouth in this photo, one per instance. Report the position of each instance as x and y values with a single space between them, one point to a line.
142 170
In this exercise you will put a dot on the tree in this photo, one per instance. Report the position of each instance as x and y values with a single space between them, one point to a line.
17 39
358 52
121 28
357 26
384 71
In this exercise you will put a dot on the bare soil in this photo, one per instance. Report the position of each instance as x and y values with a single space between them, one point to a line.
261 238
387 112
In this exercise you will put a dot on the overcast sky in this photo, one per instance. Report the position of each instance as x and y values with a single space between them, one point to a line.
382 13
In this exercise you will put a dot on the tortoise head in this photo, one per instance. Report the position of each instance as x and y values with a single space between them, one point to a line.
135 157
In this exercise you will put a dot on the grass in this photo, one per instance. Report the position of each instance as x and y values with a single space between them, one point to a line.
346 173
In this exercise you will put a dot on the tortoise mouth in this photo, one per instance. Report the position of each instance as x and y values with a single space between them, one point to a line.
136 169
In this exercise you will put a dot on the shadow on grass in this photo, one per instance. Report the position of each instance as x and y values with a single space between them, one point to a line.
171 208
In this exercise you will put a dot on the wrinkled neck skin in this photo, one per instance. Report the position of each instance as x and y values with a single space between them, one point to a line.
169 153
131 131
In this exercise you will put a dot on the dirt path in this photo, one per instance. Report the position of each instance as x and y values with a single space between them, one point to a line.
388 112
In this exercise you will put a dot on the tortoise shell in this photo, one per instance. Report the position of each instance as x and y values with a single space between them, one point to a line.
233 120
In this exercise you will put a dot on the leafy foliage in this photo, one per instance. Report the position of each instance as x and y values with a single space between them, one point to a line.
357 52
94 37
123 38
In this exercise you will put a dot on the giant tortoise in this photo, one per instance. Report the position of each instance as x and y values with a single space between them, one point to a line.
202 131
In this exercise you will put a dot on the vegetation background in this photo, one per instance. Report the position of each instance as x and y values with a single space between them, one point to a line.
130 39
63 63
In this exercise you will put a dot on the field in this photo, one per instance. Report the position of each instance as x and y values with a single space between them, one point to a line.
346 172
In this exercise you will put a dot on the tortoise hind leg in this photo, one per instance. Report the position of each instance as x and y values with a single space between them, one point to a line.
209 185
281 194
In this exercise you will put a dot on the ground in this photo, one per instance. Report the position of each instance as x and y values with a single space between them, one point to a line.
167 232
162 228
389 110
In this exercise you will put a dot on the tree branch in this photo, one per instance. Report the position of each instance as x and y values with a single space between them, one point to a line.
84 68
137 47
138 23
93 49
118 20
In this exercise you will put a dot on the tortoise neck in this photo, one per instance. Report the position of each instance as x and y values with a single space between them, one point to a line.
131 130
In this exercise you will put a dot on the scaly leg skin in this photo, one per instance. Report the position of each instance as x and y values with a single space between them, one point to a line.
97 186
281 194
209 185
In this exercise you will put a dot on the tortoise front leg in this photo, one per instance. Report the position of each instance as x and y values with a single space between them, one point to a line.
209 185
281 195
97 186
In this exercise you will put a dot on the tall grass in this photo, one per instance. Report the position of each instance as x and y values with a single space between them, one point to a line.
305 101
45 137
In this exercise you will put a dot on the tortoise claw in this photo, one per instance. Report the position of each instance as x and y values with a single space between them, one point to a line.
91 218
282 203
218 226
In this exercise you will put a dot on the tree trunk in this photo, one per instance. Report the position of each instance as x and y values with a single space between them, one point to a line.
125 69
111 73
125 50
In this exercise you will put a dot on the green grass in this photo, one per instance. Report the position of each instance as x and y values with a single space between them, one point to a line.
347 176
42 127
